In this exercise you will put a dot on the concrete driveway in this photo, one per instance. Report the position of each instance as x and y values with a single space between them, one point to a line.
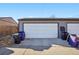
40 47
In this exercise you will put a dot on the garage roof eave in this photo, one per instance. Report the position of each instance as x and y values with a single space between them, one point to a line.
48 19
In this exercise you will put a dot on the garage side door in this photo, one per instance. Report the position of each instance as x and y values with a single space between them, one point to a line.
73 28
41 30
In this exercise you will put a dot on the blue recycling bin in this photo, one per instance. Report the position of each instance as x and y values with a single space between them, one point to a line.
21 35
71 43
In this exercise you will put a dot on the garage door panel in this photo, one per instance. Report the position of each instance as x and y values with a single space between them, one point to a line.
73 28
41 30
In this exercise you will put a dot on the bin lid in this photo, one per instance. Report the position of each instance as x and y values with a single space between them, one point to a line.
15 34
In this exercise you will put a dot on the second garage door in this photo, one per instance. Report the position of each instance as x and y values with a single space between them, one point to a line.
73 28
41 30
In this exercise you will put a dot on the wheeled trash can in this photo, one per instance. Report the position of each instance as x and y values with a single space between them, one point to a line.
21 35
16 39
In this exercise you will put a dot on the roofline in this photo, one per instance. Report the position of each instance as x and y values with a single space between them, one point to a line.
29 19
8 21
14 20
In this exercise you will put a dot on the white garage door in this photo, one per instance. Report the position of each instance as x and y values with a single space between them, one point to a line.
41 30
73 28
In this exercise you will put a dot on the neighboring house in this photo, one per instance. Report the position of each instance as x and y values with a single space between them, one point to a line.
48 27
8 26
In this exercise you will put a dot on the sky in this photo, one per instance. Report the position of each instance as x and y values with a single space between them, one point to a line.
39 10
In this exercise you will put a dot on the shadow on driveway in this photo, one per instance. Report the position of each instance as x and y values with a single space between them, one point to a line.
5 51
40 44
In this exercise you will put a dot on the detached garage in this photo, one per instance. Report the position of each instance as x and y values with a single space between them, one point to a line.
38 28
48 27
